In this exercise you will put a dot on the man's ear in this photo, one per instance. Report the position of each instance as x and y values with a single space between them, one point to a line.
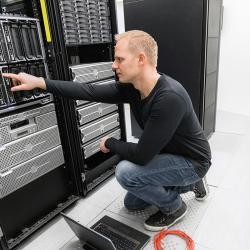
142 58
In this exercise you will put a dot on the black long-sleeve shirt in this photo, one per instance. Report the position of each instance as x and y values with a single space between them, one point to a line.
166 117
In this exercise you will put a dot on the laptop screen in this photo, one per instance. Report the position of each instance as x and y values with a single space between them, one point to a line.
89 236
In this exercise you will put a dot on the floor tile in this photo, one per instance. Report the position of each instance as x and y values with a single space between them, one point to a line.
104 194
232 123
225 142
52 236
223 147
200 247
83 212
226 224
238 176
73 244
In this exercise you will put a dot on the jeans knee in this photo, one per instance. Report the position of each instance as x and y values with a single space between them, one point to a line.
124 171
132 202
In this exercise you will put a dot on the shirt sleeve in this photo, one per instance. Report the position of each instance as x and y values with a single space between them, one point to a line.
108 93
166 114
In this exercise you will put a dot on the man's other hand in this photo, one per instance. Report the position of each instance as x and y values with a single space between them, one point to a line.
23 81
102 145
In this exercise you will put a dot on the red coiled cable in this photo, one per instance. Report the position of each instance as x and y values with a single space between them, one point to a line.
158 238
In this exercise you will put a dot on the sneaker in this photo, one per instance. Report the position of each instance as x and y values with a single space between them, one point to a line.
201 190
160 220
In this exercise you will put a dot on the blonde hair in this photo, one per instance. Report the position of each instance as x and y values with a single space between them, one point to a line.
141 41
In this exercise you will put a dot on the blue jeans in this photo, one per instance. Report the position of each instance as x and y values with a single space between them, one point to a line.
158 183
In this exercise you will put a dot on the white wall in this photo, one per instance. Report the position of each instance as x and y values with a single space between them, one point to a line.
234 72
120 16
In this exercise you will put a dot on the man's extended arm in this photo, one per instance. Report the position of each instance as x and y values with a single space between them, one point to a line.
110 93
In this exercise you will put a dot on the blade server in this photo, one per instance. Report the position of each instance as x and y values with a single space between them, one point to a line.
21 38
21 50
16 100
86 22
30 144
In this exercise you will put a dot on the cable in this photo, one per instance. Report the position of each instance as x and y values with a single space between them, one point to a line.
159 237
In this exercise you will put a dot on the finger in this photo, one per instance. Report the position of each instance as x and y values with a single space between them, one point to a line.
11 75
17 88
15 82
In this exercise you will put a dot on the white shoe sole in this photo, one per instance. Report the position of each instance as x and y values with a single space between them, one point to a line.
156 229
203 198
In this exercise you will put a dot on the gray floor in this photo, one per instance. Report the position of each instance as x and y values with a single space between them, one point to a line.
219 223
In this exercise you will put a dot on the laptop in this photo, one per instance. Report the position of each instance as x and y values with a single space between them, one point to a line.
107 234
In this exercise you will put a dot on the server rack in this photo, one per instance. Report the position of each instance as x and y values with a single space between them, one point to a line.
90 55
188 35
33 163
49 144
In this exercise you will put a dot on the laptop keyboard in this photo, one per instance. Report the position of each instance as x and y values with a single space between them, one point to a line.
120 242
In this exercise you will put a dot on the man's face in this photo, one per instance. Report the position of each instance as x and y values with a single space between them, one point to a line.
126 63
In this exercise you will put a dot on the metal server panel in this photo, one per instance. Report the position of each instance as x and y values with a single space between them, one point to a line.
85 73
23 149
2 55
93 147
80 103
99 127
29 171
18 125
92 112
